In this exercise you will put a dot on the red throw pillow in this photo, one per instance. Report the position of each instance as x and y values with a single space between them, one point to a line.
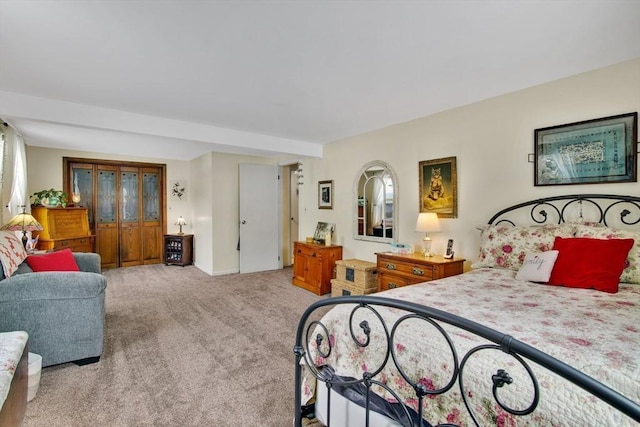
590 263
54 261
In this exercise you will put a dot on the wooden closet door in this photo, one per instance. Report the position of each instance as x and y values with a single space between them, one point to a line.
130 221
152 208
106 215
126 207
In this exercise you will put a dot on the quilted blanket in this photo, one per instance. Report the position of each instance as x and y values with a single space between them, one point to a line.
595 332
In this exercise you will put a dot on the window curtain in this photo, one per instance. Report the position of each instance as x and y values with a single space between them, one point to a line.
377 207
13 173
2 168
18 198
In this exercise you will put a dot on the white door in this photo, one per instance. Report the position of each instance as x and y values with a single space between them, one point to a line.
259 218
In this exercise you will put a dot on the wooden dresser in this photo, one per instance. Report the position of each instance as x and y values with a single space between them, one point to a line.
63 228
395 270
314 265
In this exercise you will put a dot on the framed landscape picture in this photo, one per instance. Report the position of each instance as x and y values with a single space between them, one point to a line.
439 187
588 152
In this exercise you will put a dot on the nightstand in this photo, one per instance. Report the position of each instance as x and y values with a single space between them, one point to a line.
395 270
178 249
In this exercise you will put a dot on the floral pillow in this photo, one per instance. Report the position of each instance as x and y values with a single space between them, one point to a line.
631 272
505 246
12 253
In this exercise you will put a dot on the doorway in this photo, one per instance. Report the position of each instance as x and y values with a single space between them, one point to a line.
291 182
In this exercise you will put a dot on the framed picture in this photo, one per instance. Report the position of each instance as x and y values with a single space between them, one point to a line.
322 230
589 152
439 187
325 194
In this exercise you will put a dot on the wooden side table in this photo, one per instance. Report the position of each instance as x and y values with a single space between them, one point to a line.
178 249
395 270
314 265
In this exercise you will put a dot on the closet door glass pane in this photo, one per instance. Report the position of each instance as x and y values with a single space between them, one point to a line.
106 196
130 196
82 183
151 196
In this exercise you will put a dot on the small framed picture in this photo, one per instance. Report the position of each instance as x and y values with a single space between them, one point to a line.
325 195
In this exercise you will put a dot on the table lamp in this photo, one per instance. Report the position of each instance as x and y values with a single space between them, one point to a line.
180 222
23 222
427 222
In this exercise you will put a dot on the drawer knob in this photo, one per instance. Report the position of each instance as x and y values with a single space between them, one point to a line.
392 285
391 266
418 272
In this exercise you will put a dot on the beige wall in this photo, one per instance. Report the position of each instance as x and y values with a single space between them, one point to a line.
491 141
44 170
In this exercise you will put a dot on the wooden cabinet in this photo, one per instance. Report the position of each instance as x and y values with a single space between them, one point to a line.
314 265
395 270
63 228
178 249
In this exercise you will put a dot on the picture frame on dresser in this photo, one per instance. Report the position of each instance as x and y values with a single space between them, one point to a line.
593 151
438 186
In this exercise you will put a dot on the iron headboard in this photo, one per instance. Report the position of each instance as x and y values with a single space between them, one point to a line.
605 209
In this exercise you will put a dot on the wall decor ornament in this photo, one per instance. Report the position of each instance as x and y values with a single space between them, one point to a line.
178 190
589 152
325 195
438 187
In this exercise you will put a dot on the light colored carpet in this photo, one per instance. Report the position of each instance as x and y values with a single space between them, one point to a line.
183 349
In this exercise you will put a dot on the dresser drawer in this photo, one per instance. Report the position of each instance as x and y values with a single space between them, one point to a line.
423 272
80 244
388 281
76 245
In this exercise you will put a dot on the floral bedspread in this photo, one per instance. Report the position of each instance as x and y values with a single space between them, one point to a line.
595 332
12 345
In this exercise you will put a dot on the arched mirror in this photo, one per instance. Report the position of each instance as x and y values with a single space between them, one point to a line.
375 192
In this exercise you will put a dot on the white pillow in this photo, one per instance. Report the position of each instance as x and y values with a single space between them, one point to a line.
537 266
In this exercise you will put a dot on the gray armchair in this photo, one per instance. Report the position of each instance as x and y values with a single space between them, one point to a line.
63 312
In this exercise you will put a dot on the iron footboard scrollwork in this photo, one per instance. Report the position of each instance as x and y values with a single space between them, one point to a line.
314 345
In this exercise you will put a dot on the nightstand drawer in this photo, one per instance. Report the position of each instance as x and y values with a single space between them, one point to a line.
419 271
389 281
309 251
395 270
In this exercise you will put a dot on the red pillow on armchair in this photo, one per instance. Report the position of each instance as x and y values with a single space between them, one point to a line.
590 263
53 261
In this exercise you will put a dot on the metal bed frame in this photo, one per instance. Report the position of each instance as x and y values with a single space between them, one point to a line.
602 209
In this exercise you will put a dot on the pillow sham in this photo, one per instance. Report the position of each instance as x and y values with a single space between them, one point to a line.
12 252
505 246
53 261
537 266
589 263
631 272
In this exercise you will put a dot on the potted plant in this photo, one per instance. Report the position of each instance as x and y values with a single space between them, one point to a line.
50 198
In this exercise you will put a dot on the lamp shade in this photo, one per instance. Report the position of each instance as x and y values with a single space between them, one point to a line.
181 221
22 222
428 222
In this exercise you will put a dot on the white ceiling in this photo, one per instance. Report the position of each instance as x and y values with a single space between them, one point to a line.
176 79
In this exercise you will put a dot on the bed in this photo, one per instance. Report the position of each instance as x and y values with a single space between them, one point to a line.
488 347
